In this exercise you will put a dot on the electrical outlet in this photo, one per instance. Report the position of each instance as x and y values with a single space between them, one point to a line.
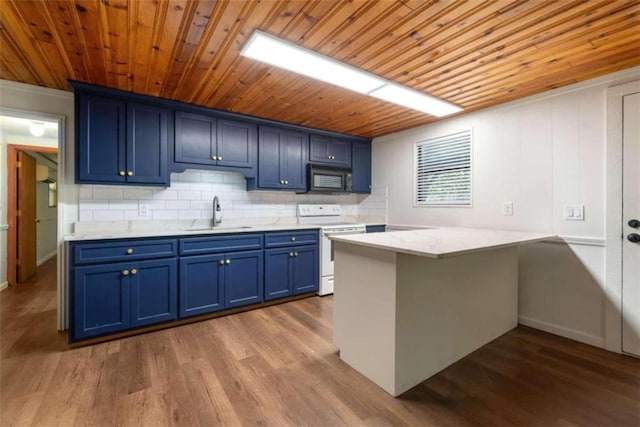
574 212
507 208
143 209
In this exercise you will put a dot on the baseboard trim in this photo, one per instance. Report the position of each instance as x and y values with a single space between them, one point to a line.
3 286
578 240
582 337
46 258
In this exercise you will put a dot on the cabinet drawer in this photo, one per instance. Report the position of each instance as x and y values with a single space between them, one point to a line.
127 250
207 245
289 238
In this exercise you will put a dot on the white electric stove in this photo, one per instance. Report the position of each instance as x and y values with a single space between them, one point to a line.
328 218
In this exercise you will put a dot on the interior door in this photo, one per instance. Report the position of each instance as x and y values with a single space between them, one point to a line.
631 225
26 217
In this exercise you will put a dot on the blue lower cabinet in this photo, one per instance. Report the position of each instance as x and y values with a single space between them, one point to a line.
277 273
376 228
154 292
243 278
101 300
290 271
201 284
305 272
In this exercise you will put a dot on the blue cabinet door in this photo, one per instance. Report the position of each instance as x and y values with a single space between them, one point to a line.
201 284
101 302
305 273
101 152
154 291
376 228
195 139
147 142
330 150
237 143
361 165
293 155
243 278
269 155
277 273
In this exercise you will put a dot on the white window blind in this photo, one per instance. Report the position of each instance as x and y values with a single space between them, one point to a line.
443 170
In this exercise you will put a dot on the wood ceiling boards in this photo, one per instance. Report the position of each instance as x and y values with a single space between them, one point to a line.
473 53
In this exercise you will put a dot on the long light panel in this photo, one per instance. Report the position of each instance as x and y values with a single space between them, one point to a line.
271 50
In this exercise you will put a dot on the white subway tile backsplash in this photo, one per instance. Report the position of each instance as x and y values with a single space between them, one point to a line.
191 193
107 193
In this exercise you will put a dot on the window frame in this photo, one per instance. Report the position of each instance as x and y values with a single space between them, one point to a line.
415 171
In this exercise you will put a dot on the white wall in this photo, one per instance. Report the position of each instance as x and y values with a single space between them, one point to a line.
541 153
46 230
53 104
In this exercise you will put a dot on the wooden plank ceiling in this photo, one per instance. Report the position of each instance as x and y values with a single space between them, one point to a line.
473 53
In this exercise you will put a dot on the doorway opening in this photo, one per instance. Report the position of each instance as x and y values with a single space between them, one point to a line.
31 194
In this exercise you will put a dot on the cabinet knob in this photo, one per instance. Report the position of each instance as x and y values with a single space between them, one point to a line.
130 251
634 223
290 253
221 262
295 254
282 181
134 271
286 181
130 173
219 157
634 238
214 157
125 272
122 173
293 239
329 157
228 261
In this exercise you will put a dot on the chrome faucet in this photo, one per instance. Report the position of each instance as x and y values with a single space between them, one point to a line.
217 212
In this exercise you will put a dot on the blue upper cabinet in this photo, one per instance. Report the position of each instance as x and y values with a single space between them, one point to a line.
361 164
195 141
206 140
121 142
101 148
282 155
147 133
330 150
236 143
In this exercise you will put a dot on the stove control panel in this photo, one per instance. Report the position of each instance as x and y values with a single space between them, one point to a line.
318 210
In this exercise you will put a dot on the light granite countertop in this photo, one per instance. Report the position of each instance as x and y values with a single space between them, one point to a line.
442 242
106 230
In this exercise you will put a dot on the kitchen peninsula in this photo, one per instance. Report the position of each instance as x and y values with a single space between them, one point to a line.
407 304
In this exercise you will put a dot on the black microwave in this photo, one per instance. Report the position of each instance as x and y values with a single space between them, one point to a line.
329 179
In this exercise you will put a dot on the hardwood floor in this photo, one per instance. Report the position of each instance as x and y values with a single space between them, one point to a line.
277 366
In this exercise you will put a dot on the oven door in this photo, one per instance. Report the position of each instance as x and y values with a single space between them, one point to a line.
326 249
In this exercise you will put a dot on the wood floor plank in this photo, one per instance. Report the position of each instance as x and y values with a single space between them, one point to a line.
277 366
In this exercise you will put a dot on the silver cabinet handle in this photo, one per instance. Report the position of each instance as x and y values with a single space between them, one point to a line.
125 272
293 238
130 173
214 157
295 254
221 262
228 261
290 253
122 173
282 181
219 157
134 271
129 251
286 181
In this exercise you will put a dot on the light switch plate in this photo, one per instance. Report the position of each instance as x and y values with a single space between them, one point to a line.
507 208
574 212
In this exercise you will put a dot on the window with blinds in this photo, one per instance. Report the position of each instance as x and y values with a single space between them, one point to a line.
443 170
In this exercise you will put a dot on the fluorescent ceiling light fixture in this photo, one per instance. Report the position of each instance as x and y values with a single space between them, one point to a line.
271 50
414 99
279 53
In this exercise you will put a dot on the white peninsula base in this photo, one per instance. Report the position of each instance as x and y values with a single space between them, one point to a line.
400 318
